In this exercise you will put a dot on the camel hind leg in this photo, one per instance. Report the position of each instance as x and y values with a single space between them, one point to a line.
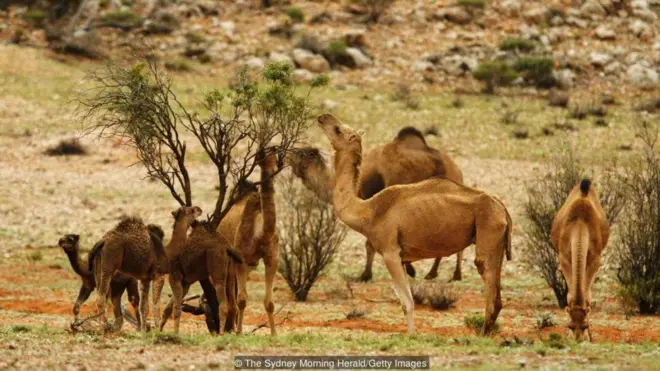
271 262
218 266
491 245
155 299
393 264
458 273
367 273
145 286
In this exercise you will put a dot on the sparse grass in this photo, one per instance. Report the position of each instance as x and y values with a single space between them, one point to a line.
35 256
123 18
195 37
517 44
67 147
545 320
179 65
35 16
475 322
478 4
295 14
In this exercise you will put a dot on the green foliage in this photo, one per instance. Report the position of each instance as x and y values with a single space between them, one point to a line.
336 54
124 18
517 44
35 256
495 73
475 322
319 80
478 4
35 16
638 252
20 329
556 341
195 37
279 71
180 65
295 14
537 71
545 197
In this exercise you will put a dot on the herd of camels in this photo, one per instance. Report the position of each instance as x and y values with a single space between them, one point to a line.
407 198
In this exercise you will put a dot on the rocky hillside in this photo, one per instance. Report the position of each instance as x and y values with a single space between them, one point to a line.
604 46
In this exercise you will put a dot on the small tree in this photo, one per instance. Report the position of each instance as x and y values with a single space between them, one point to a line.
310 235
496 73
138 105
638 252
545 197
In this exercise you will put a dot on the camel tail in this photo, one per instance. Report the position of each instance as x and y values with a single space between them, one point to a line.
235 255
96 250
509 230
579 249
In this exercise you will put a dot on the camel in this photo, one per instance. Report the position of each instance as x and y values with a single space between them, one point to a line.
129 249
250 224
428 219
579 233
407 159
84 268
205 256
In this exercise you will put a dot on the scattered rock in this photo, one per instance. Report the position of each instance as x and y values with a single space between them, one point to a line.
255 63
593 8
355 38
329 104
423 65
511 7
458 65
360 60
577 22
457 15
301 75
162 22
280 57
605 33
613 68
599 59
640 28
565 78
536 15
310 61
558 99
642 76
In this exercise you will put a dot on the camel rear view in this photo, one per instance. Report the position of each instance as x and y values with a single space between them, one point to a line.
579 233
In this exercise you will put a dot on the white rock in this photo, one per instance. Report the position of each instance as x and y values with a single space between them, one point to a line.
640 28
393 43
613 68
565 78
255 63
577 22
642 76
280 57
599 59
329 104
421 66
359 58
228 27
593 8
605 33
536 15
511 7
310 61
301 75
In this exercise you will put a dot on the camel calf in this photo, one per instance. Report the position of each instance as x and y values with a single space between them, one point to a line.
579 234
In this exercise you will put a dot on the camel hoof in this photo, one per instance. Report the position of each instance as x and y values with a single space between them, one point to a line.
431 276
457 277
365 277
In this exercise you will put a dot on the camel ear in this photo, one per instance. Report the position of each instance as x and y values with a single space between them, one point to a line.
360 132
197 211
353 138
175 213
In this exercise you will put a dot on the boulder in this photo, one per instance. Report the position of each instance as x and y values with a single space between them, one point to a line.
536 15
310 61
605 33
255 63
302 76
423 65
457 15
280 57
359 58
642 76
640 28
565 78
599 59
592 8
511 7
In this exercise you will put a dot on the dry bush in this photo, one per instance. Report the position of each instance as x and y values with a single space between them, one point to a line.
67 147
441 297
310 235
545 197
545 320
418 291
638 252
356 313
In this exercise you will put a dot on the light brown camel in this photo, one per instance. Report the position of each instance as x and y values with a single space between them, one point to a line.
250 224
129 249
70 243
407 159
429 219
579 234
204 256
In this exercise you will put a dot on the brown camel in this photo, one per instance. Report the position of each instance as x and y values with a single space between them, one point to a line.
84 268
250 224
129 249
579 234
204 256
429 219
405 160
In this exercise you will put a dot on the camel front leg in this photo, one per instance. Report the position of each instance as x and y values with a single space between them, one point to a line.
242 295
367 273
133 293
271 269
155 299
145 286
393 264
116 307
103 289
433 273
458 273
83 295
488 260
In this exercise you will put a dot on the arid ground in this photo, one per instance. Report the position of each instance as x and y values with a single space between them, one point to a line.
44 197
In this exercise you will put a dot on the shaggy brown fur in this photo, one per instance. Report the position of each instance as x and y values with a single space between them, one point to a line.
84 268
579 234
250 224
204 257
130 249
429 219
407 159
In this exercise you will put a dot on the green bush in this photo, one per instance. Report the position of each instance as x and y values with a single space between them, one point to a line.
295 14
496 73
180 65
537 71
479 4
35 16
336 54
195 37
517 44
475 322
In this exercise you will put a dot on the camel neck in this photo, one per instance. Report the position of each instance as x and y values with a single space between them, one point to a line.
268 203
350 209
77 263
178 240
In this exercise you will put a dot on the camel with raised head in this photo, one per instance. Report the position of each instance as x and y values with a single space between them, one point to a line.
429 219
405 160
250 225
580 232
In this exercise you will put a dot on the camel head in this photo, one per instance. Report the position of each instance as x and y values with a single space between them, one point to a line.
156 230
342 137
269 160
186 215
302 159
579 323
69 242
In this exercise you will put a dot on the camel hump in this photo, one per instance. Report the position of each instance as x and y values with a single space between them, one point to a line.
585 184
410 132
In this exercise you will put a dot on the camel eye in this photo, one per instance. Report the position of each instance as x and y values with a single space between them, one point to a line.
337 131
